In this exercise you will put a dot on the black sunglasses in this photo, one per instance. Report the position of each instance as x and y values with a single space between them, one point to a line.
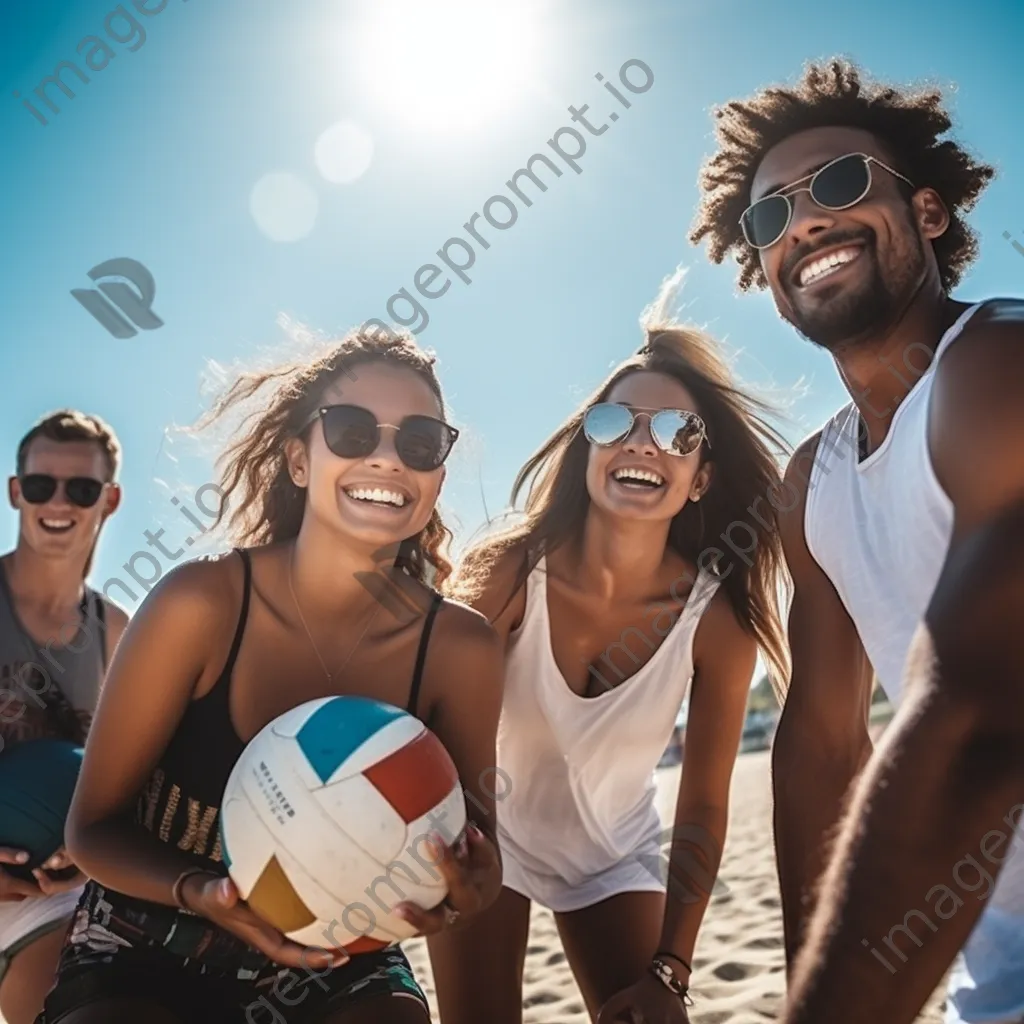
352 432
674 431
840 184
39 488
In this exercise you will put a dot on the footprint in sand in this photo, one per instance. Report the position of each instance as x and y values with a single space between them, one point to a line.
540 999
731 971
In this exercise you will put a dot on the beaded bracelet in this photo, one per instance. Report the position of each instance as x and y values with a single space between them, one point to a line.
667 977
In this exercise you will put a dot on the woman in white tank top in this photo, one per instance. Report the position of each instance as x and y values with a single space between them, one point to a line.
647 564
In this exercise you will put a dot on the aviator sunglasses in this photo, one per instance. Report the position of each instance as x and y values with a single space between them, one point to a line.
674 431
352 432
840 184
39 488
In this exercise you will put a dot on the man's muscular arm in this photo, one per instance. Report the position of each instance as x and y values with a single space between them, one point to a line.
822 740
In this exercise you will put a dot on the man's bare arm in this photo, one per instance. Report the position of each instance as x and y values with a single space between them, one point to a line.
822 740
950 771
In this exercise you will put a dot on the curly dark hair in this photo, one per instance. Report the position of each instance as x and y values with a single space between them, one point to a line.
908 123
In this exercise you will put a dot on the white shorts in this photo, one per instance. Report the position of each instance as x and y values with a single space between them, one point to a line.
31 919
635 873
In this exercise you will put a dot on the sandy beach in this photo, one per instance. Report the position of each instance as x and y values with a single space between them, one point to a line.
739 965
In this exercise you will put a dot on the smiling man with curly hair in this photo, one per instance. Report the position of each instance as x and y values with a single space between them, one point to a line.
903 524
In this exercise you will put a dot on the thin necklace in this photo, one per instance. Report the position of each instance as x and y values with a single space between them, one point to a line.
312 642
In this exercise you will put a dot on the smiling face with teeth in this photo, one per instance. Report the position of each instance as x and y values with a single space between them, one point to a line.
376 500
635 479
845 276
58 528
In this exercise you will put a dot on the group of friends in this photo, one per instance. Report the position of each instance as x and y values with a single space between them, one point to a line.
563 645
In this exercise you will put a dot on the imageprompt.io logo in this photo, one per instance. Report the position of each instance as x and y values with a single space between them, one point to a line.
133 304
692 879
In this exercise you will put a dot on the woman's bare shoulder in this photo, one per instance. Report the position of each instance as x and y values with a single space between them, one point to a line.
207 588
720 625
498 590
460 622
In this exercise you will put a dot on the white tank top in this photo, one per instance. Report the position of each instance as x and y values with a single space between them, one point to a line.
581 796
880 529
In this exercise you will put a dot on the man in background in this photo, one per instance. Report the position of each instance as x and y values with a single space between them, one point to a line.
56 637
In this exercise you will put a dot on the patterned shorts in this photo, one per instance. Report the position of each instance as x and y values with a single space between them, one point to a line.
119 947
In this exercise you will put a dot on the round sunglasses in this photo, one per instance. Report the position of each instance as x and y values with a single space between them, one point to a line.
352 432
674 431
840 184
39 488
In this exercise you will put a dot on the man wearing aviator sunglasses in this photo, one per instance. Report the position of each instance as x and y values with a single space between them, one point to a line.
903 525
56 636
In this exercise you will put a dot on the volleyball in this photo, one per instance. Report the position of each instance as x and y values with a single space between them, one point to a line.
326 818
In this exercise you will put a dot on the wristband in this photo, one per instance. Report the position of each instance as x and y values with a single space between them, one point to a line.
666 976
180 881
662 953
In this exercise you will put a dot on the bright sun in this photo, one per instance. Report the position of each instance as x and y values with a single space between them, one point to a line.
448 64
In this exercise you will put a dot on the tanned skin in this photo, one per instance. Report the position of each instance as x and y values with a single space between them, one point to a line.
822 739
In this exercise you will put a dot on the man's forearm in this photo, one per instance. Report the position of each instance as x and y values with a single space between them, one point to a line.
810 792
892 915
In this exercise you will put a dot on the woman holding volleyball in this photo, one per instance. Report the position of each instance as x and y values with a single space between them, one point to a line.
341 460
628 583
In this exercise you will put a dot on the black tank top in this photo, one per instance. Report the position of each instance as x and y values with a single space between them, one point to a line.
181 803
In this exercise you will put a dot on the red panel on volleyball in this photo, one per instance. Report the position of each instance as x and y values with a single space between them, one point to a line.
416 778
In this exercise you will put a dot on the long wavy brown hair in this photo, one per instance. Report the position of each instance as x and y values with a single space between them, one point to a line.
745 475
266 507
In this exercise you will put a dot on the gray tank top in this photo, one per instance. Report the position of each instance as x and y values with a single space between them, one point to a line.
50 690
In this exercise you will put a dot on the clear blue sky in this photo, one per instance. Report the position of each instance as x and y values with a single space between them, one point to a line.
159 157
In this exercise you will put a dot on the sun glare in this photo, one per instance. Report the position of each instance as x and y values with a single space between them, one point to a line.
450 64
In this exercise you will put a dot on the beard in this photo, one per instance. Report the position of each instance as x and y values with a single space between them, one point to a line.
843 315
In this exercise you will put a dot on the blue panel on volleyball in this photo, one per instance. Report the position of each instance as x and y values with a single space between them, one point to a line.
337 729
